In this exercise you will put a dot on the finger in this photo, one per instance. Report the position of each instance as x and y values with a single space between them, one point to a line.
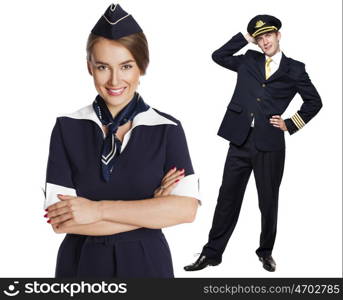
61 218
172 181
58 205
59 211
61 203
157 192
276 116
173 176
276 126
66 224
54 226
171 171
168 190
65 197
57 229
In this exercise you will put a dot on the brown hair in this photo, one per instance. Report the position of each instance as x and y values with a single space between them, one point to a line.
136 43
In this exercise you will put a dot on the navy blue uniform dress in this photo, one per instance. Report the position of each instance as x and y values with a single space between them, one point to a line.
155 143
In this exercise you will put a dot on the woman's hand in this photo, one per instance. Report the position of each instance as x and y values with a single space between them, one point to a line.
66 227
278 122
56 228
73 211
169 181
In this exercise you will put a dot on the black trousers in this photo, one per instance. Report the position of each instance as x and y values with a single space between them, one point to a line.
268 170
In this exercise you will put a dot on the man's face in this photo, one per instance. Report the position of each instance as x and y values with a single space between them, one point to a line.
269 42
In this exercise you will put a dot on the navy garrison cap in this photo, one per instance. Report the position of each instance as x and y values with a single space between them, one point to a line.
262 24
116 23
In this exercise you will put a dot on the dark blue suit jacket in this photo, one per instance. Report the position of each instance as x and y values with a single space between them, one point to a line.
258 98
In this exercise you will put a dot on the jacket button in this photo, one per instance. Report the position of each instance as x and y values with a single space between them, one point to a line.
263 85
251 114
258 99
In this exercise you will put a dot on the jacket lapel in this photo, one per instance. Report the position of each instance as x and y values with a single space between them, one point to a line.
261 66
256 67
283 68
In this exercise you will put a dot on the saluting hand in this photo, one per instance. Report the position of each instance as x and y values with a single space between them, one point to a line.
169 181
73 210
277 121
250 39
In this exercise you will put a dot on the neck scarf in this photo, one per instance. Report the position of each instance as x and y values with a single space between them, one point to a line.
112 145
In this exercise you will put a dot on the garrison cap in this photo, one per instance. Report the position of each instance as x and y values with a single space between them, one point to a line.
116 23
262 24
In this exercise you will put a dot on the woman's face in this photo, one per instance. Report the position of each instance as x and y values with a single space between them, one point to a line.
115 73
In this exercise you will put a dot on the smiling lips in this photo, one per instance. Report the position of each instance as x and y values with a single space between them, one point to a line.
115 92
267 48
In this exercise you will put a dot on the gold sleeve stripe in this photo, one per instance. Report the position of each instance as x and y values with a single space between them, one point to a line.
298 121
263 30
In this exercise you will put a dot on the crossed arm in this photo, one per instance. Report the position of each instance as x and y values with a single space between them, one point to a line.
83 216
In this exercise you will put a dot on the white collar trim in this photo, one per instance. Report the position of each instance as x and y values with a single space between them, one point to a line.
148 118
84 113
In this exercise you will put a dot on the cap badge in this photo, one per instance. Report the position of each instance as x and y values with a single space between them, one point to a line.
259 24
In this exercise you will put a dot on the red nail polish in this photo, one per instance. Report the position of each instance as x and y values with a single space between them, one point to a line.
173 168
46 209
182 170
177 180
46 215
49 221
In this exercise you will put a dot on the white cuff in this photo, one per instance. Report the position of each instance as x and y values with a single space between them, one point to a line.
189 187
51 193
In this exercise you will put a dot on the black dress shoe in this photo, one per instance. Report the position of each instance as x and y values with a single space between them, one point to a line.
268 263
202 262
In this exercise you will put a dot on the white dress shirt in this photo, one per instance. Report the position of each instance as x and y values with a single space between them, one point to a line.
275 63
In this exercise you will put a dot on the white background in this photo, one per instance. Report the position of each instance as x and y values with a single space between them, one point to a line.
43 74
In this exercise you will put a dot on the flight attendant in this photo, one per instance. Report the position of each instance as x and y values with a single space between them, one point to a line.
118 170
253 123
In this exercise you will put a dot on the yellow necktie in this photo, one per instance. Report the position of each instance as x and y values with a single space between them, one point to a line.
268 71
